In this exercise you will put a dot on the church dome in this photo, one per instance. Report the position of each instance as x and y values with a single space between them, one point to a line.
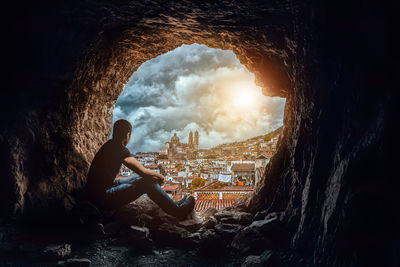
175 138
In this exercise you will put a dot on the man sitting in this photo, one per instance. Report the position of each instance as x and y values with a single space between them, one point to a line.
108 193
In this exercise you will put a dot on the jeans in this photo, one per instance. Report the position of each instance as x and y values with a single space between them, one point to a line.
133 187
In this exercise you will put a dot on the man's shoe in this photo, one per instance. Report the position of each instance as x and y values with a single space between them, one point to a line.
186 207
180 202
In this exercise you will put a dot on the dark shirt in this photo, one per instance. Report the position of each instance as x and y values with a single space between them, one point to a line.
105 167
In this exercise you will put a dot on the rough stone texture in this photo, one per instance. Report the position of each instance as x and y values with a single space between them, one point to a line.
67 63
252 261
172 235
136 233
144 212
257 236
57 251
227 231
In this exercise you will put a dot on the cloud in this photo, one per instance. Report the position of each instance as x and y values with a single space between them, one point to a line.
195 87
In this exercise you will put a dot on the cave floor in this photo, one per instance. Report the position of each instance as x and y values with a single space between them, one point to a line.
21 246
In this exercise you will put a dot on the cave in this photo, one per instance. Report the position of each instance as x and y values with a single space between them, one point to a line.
333 179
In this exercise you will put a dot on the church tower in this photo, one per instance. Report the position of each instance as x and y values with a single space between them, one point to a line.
190 141
196 140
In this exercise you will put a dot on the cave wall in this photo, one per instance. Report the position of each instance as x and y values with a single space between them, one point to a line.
332 173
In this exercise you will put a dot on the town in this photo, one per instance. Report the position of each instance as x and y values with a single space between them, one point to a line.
216 177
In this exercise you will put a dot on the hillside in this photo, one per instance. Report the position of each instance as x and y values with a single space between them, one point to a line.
265 138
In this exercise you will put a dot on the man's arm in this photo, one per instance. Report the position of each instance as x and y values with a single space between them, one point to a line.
135 165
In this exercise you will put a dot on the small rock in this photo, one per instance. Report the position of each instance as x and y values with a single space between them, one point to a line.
209 212
78 262
278 215
242 218
195 237
136 233
57 251
210 222
252 261
223 214
191 225
266 255
227 230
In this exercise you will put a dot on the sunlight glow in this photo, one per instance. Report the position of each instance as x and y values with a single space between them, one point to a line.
244 96
244 99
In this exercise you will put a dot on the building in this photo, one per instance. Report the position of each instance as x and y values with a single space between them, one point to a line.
176 150
243 173
196 140
190 141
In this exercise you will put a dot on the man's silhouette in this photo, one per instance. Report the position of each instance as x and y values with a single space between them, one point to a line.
108 193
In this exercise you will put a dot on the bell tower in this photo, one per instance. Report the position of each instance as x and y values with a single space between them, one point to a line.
196 140
190 141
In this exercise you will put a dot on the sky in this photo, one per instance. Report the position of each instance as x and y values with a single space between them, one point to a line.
194 87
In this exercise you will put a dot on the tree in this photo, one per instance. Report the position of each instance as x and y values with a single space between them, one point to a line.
197 182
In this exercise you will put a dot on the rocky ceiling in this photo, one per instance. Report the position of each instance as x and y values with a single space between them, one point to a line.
331 175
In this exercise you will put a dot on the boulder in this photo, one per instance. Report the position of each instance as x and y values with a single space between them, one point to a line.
171 234
143 212
257 236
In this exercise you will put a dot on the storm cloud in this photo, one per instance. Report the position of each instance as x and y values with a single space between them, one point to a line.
193 88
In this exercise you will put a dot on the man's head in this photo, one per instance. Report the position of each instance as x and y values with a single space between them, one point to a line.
122 131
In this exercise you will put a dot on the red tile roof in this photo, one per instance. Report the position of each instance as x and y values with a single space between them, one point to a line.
218 204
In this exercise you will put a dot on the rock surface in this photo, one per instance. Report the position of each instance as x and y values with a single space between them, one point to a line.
258 236
57 251
252 261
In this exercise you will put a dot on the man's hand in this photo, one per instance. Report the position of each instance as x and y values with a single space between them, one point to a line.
135 165
160 180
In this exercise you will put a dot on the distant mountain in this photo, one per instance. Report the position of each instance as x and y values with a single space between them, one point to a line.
265 137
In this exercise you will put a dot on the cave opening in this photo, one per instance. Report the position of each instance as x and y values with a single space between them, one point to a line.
226 129
334 169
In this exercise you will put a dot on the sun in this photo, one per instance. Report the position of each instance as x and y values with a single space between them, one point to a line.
244 98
